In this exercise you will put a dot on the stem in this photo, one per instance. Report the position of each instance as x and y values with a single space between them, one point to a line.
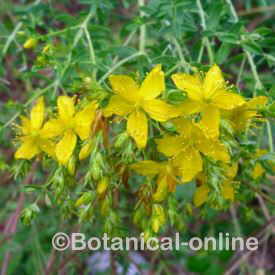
233 11
209 50
205 39
183 62
241 71
259 84
200 52
11 38
142 37
121 62
77 38
201 12
126 42
91 50
270 139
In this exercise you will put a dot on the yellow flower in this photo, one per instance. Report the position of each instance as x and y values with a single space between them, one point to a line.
241 116
136 101
166 172
33 141
258 171
187 147
208 96
227 190
69 124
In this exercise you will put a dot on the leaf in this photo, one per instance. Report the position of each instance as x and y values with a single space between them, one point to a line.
223 52
252 47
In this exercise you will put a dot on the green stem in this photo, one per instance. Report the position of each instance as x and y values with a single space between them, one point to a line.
205 39
233 11
126 42
241 71
259 84
91 50
11 38
121 62
183 62
142 37
201 52
209 50
270 138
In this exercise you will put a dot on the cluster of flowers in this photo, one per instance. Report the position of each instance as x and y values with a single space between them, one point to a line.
196 121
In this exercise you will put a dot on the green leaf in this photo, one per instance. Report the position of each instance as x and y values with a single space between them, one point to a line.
223 52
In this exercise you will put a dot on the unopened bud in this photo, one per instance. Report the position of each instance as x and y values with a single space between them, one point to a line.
102 185
30 43
86 150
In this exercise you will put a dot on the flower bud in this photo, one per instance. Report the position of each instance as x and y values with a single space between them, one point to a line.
86 150
71 166
161 191
30 43
84 199
158 217
102 185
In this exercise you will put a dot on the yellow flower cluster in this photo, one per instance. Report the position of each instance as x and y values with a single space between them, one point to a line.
197 123
58 136
208 96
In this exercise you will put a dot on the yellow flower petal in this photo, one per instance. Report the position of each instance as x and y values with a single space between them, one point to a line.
66 110
191 84
186 127
147 167
125 86
210 122
83 120
240 117
170 145
27 150
189 107
48 147
153 84
258 171
227 101
86 150
65 147
231 170
52 128
119 106
213 81
189 162
160 110
137 128
214 149
256 102
201 195
162 188
228 190
25 125
37 114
